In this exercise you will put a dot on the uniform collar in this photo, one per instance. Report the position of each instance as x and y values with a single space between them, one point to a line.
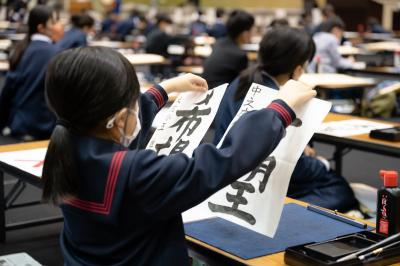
266 75
41 37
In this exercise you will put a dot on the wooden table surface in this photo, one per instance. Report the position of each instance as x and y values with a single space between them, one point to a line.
146 59
24 146
274 259
363 137
110 44
382 46
335 81
191 69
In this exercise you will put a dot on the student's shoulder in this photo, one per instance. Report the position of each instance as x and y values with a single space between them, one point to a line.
325 37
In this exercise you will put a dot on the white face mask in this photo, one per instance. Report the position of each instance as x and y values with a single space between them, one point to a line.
127 140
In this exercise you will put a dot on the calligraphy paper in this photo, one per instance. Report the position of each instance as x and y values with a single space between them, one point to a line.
30 161
350 127
256 200
186 122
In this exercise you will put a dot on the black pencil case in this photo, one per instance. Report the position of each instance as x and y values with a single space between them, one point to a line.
390 134
327 252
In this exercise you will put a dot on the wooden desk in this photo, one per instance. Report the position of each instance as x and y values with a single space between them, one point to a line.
204 40
382 46
22 176
377 72
360 142
274 259
146 59
202 51
5 44
4 66
335 81
198 70
349 50
110 44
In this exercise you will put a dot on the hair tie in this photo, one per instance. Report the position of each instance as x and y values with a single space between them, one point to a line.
63 123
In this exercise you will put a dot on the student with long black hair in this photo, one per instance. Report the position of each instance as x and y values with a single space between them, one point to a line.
283 55
23 110
82 27
122 205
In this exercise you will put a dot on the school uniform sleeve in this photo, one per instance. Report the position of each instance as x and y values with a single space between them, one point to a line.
150 103
164 186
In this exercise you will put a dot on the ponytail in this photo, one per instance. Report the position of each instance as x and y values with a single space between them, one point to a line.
82 101
60 174
246 78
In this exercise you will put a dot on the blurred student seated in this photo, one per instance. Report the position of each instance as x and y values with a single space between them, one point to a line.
218 29
198 26
227 59
23 110
108 25
125 27
373 26
82 28
327 58
158 41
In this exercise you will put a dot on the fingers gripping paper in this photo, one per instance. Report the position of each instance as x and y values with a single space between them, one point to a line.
186 122
256 200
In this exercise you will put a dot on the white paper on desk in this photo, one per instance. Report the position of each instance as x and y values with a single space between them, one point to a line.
30 161
350 127
186 122
256 200
18 259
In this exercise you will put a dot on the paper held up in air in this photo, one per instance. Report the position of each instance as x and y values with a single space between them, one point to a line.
255 200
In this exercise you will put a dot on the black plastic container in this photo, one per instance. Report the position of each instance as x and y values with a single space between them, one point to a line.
388 207
308 255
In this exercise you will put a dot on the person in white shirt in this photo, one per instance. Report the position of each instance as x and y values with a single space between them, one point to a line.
327 58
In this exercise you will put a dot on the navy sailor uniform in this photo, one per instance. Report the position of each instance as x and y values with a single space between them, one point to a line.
128 207
311 181
23 107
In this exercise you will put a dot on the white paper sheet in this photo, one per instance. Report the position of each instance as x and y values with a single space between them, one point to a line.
350 127
30 161
18 259
265 188
186 122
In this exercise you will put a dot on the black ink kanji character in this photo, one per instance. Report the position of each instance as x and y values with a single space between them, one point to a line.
190 117
265 168
180 146
161 146
237 199
256 89
207 99
249 102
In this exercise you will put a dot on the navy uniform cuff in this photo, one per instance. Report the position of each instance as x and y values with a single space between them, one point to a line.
159 95
286 113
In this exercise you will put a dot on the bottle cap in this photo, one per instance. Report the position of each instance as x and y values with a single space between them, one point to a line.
390 178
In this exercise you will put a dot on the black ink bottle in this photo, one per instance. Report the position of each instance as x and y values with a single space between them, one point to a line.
388 207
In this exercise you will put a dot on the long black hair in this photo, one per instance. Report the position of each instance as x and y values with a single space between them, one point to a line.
281 50
84 87
39 15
